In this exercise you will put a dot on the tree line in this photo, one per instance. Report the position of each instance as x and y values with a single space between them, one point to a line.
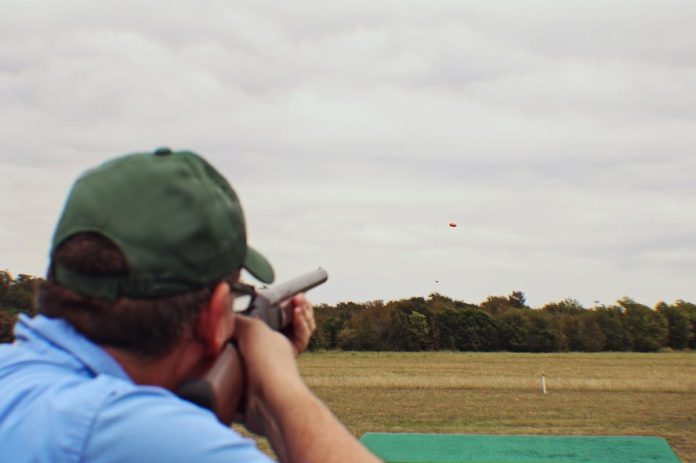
500 323
504 323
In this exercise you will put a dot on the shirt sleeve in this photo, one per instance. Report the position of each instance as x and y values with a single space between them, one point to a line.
148 425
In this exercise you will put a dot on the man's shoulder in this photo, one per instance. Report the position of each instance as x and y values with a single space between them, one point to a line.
42 390
159 426
104 418
34 380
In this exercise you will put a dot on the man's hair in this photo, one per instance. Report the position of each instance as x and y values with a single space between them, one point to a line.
149 327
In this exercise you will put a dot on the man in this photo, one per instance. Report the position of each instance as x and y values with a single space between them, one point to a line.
145 260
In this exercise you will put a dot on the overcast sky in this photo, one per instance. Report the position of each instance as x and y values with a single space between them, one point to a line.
559 136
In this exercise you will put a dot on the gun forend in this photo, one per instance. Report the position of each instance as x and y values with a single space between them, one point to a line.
267 302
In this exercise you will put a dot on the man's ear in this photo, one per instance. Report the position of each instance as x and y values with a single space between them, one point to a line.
215 321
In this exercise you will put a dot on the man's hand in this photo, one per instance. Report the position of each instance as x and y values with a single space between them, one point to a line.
303 324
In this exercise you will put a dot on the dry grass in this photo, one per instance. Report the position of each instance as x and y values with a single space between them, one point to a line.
518 372
499 393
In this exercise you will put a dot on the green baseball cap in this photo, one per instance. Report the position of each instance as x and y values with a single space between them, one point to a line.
175 218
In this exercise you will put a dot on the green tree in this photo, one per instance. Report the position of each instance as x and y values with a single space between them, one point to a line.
541 335
366 329
496 305
577 328
468 329
589 336
417 331
566 306
410 325
438 303
19 295
612 325
648 327
514 328
678 325
690 310
517 300
330 321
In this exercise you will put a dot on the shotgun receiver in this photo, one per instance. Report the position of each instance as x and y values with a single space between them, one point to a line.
221 389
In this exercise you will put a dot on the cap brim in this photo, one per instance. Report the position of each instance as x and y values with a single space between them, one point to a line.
258 266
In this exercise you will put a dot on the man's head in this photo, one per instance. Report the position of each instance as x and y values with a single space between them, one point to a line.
143 239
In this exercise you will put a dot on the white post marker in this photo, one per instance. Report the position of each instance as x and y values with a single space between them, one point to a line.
543 383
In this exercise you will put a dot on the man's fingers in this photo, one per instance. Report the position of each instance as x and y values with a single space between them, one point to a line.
309 316
303 325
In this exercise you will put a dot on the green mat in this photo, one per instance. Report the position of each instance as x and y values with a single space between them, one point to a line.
454 448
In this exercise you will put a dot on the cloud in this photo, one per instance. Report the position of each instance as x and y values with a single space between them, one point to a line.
558 135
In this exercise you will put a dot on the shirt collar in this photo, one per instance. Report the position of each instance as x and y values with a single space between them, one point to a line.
62 335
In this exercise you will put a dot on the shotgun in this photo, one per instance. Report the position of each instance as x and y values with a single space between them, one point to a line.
221 389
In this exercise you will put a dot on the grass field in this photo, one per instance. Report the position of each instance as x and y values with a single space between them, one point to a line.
500 393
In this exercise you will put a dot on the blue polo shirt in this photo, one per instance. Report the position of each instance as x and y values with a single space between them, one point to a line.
63 399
